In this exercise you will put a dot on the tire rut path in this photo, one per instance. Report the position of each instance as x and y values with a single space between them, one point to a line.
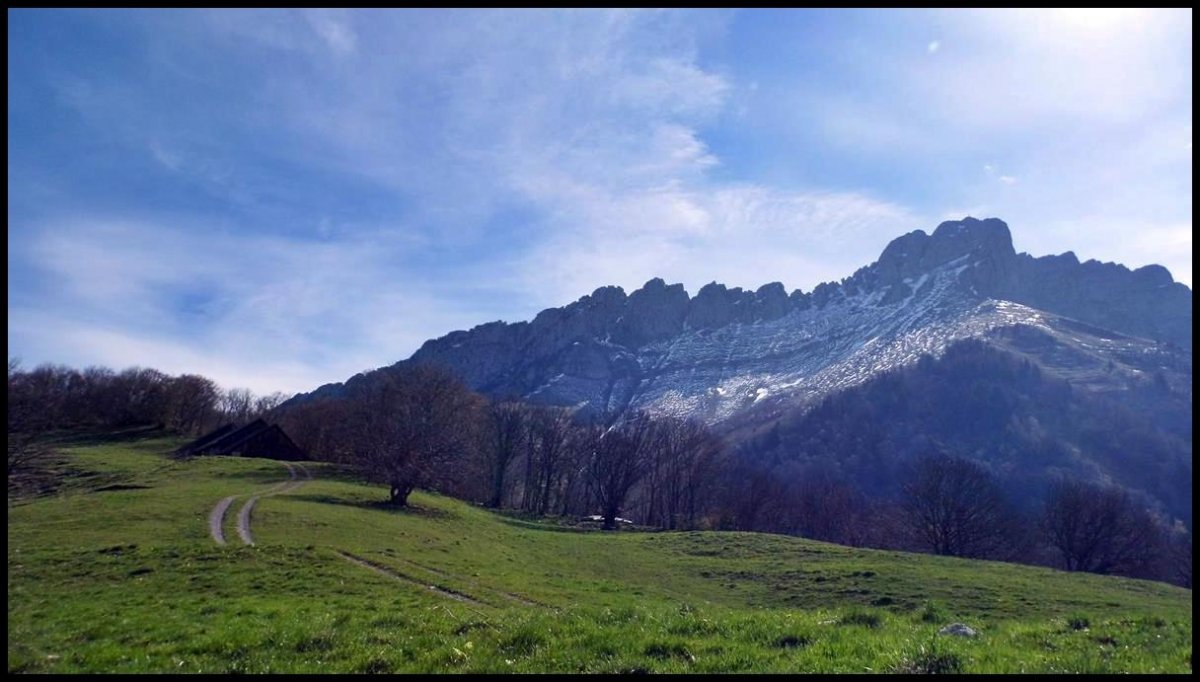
243 525
507 595
216 518
393 573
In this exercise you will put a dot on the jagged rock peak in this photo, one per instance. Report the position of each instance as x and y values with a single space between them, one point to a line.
917 252
1153 275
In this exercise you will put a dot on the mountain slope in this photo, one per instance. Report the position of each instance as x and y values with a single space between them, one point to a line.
1002 409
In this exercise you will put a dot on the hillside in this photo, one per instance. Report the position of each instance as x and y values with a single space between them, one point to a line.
1021 418
117 571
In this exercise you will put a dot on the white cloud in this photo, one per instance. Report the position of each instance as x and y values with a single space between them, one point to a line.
738 235
169 159
333 29
265 312
932 46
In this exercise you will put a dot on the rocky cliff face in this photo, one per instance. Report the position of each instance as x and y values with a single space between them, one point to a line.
728 351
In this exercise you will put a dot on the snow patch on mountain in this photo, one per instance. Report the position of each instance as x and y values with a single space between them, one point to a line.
712 374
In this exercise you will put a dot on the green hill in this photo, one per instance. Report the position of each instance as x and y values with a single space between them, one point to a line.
115 570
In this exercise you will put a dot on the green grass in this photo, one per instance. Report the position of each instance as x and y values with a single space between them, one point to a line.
127 579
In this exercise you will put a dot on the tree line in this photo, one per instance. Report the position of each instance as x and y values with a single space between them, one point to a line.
955 506
420 426
55 397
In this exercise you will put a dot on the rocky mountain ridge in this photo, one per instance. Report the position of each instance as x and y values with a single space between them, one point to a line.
726 351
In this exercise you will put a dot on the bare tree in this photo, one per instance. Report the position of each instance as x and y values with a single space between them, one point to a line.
46 388
1099 529
755 494
548 451
505 425
144 393
681 472
236 405
407 427
618 460
953 507
575 490
28 421
265 404
99 399
825 508
320 427
191 402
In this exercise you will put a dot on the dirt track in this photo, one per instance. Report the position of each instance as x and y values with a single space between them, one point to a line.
216 519
393 573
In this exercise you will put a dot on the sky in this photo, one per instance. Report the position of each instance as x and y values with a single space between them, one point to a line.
281 199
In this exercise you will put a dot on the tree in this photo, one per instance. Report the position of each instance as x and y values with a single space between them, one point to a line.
236 405
407 428
548 443
99 401
28 420
754 495
144 396
954 507
824 508
618 460
265 404
191 402
505 424
1099 529
681 472
319 427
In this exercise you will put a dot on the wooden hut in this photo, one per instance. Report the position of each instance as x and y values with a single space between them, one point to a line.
256 439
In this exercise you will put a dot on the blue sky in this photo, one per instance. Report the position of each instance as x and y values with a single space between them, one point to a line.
279 199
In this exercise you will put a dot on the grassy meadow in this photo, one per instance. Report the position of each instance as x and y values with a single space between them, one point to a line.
114 570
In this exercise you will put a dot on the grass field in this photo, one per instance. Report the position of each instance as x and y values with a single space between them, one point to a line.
115 571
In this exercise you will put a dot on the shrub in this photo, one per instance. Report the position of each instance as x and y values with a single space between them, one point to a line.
1078 622
932 612
864 618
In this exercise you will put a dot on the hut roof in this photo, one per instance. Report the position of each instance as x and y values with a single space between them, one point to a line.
256 439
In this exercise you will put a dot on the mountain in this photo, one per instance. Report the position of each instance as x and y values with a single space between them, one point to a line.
726 353
950 342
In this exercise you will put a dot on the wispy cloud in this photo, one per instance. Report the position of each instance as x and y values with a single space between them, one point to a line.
699 235
271 304
168 159
281 199
333 30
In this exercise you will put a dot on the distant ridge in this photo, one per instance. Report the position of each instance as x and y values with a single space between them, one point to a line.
725 350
